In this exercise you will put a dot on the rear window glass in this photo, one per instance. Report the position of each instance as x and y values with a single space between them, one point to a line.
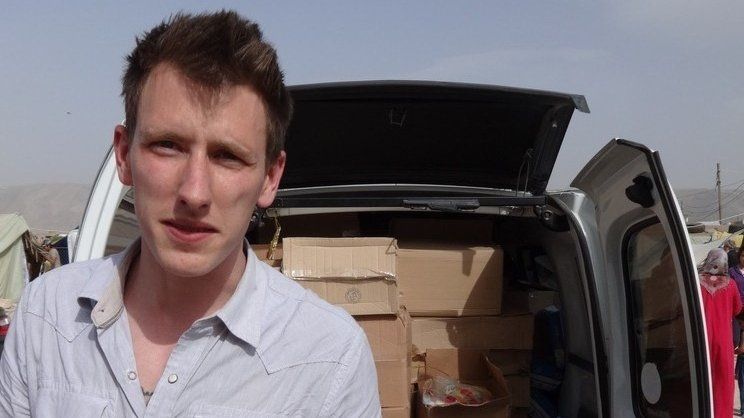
659 352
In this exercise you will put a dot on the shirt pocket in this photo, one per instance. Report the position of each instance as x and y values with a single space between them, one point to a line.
57 403
213 411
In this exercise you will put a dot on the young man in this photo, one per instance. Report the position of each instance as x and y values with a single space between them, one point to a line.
187 321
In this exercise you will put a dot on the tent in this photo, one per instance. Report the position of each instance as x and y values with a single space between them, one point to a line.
13 271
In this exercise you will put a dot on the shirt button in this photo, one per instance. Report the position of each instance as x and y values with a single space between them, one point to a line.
172 378
132 375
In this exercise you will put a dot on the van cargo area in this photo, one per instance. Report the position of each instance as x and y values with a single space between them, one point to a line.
468 287
506 286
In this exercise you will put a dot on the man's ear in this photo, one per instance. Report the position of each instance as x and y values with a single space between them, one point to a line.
122 144
271 181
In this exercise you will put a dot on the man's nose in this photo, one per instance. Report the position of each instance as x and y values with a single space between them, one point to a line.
195 188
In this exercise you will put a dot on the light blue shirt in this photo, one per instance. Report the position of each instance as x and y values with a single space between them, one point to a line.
274 350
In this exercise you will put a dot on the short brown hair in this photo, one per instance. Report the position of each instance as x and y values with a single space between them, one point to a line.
214 50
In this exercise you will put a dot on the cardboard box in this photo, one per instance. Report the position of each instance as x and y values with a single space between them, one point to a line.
478 332
511 362
519 387
396 412
262 252
358 274
464 231
315 225
389 337
520 413
514 366
532 301
471 367
418 367
392 383
450 281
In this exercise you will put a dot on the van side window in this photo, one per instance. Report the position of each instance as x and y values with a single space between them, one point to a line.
124 227
658 353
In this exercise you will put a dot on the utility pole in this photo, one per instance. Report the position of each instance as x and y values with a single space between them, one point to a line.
718 187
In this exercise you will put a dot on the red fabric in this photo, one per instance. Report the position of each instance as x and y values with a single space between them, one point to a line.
720 307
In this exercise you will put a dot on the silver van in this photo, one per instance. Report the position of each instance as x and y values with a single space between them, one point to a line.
631 310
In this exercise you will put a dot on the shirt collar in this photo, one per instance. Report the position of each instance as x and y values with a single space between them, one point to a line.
242 314
105 289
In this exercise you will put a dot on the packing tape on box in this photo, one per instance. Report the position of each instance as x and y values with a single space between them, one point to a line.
345 274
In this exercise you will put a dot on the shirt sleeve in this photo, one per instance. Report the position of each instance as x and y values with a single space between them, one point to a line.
737 299
13 380
354 392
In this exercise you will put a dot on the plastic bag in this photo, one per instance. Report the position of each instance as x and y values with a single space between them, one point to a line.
444 391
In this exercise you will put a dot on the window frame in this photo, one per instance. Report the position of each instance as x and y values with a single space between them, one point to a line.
631 314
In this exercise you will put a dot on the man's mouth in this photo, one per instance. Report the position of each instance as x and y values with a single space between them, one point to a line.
188 231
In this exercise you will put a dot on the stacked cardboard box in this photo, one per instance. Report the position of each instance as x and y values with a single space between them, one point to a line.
453 293
315 225
390 339
454 280
265 253
359 275
506 339
470 367
447 231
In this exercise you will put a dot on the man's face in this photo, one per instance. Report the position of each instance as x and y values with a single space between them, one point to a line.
197 161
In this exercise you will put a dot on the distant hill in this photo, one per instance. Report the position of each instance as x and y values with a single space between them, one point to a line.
46 207
60 207
702 204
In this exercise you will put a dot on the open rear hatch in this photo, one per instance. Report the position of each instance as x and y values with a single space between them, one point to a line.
397 137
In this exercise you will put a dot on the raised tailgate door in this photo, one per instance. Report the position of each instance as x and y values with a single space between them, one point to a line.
648 296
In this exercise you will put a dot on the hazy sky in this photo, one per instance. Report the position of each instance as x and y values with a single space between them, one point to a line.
669 74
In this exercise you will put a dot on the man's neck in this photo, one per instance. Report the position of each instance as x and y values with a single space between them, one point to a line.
152 291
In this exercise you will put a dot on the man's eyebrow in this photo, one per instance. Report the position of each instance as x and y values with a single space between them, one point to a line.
150 134
232 146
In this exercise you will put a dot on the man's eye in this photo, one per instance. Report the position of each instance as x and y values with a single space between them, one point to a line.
165 147
226 155
165 144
